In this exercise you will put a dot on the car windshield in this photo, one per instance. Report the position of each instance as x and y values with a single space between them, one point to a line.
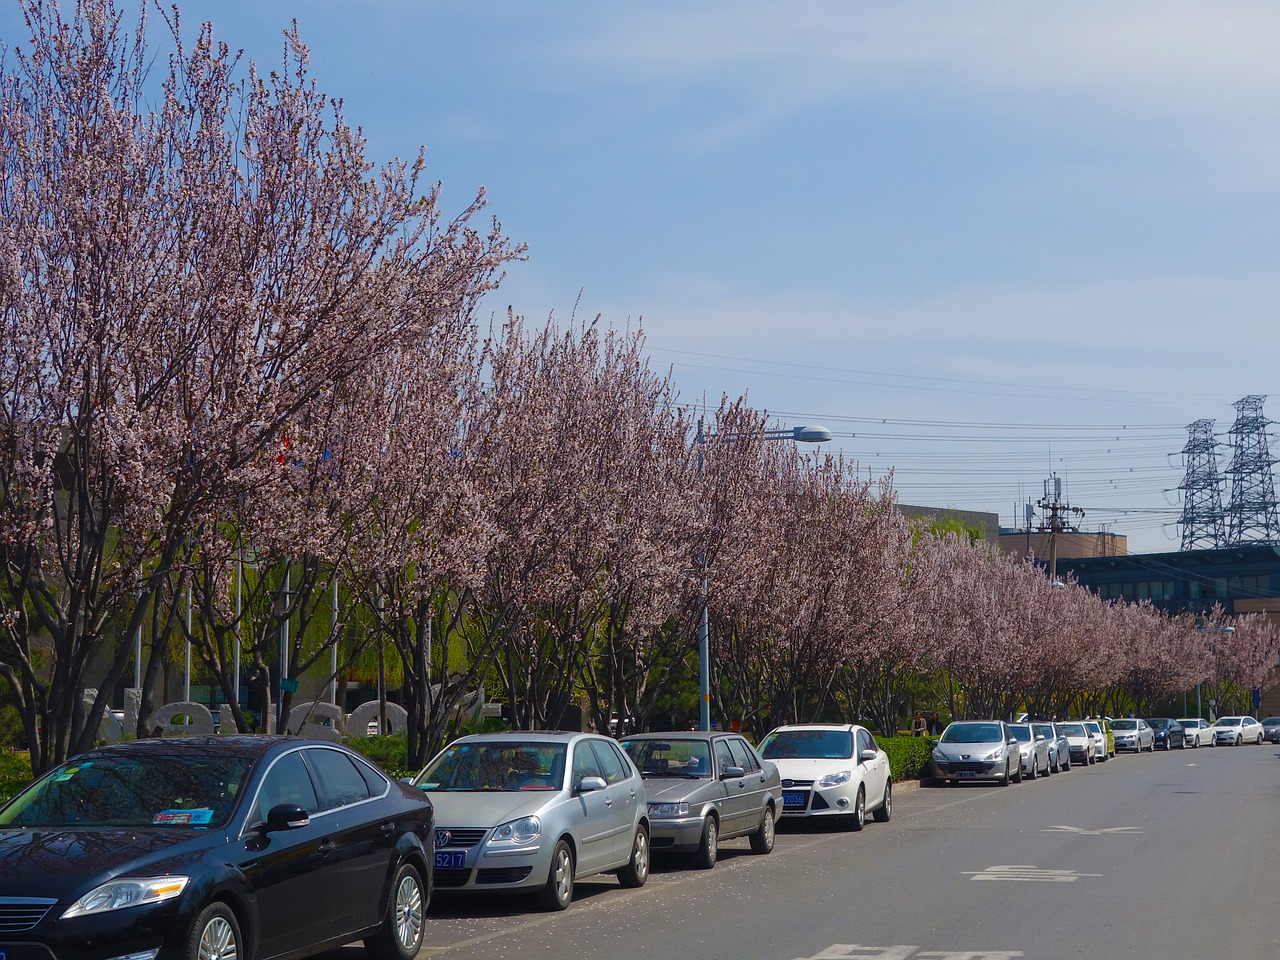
1021 732
972 733
1189 723
499 765
1157 724
1271 722
1125 725
1074 730
1045 730
670 757
1229 722
1092 727
807 745
155 789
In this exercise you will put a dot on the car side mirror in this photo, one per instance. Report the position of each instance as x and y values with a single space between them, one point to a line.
731 773
1012 741
868 754
285 816
591 784
1041 738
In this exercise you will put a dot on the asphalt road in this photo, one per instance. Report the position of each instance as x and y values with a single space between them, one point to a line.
1170 856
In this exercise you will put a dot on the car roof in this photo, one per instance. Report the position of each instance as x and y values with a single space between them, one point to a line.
248 746
816 726
681 735
531 736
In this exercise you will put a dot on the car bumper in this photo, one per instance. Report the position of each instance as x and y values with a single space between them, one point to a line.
517 869
1272 736
675 835
810 800
1126 744
968 770
127 934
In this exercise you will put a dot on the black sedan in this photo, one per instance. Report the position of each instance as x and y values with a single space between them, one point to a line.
214 848
1169 733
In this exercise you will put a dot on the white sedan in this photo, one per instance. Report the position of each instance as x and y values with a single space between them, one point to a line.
1237 730
1199 732
831 770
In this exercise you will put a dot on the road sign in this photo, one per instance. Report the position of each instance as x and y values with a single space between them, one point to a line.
288 685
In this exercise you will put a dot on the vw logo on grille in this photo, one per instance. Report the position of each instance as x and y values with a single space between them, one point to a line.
442 840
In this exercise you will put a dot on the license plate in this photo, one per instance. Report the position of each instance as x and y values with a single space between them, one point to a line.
451 859
965 773
793 799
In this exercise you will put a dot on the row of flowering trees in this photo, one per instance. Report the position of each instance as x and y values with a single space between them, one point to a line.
247 409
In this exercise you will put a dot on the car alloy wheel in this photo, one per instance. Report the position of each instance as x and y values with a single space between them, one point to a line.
708 846
557 893
762 839
636 872
215 935
885 810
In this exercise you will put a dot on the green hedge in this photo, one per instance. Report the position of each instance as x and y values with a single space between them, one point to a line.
390 753
15 773
907 755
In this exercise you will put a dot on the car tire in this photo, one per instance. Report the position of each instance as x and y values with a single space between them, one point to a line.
762 839
1017 773
858 818
403 927
214 933
704 858
1237 739
557 892
636 872
885 810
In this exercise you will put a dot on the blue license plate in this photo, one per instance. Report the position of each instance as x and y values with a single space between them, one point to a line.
451 859
793 799
966 773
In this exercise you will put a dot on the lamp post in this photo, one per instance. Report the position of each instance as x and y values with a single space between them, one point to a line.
812 433
1213 649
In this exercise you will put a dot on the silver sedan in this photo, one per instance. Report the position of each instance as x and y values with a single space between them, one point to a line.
537 812
1033 748
704 787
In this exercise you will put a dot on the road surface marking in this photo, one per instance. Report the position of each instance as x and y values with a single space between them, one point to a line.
1014 871
1062 828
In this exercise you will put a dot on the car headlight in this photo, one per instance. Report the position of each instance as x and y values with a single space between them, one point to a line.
1025 750
835 779
940 756
126 892
667 810
995 754
517 832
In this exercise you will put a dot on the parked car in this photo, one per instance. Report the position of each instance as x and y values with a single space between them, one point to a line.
1081 745
215 847
1237 730
1168 733
1271 729
1132 733
1108 736
702 788
536 812
1059 749
1033 750
1101 750
831 770
1198 732
975 750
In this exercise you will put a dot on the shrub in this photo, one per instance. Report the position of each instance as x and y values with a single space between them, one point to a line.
390 753
15 773
907 755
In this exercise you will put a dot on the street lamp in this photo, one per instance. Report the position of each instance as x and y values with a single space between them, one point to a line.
1213 650
811 433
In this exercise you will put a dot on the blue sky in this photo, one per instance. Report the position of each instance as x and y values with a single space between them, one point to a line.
980 241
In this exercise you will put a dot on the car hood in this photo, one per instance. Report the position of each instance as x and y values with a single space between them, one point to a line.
796 769
484 808
62 863
671 790
970 750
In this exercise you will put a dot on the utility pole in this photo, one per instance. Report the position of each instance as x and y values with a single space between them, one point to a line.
1058 511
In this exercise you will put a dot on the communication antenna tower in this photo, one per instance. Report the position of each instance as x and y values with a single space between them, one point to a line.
1058 511
1251 515
1204 524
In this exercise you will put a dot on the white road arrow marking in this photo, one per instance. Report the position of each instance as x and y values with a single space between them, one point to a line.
1062 828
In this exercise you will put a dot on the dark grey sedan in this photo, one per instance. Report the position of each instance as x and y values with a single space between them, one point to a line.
704 787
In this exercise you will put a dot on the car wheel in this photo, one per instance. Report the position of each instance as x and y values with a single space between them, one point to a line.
762 839
557 893
1237 739
636 872
705 856
401 935
885 810
215 934
856 819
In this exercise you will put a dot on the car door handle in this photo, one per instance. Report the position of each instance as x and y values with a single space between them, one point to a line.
608 801
327 847
388 828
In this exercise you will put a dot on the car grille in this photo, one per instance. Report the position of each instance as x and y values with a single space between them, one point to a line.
18 914
966 766
459 838
451 878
